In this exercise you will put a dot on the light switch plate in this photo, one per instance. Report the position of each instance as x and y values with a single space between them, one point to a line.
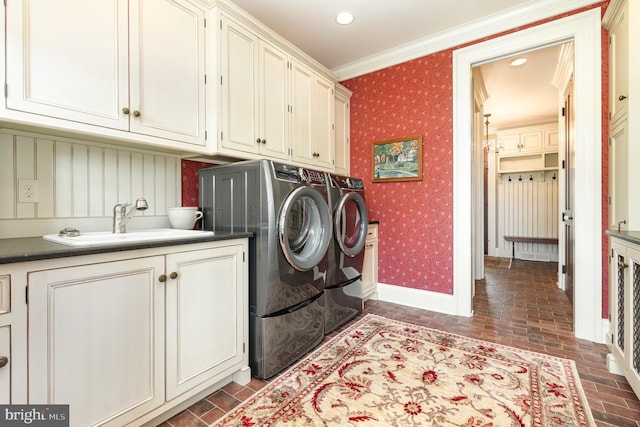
28 191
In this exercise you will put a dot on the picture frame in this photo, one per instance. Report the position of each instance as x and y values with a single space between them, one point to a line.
397 160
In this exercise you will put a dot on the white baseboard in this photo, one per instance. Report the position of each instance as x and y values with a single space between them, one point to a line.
418 298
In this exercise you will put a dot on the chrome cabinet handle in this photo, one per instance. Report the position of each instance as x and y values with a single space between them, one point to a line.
3 361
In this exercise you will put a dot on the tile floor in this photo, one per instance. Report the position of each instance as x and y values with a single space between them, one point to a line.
521 307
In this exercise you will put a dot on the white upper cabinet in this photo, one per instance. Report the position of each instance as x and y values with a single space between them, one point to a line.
255 95
312 127
135 66
342 129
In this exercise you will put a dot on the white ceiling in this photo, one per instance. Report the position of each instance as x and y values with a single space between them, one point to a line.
382 27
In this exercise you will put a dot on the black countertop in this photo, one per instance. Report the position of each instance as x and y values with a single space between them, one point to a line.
36 248
629 236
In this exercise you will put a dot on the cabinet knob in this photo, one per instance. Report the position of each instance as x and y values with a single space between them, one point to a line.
258 140
136 113
3 361
125 110
622 98
264 141
162 278
173 275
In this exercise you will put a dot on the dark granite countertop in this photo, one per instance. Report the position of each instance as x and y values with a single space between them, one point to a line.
36 248
629 236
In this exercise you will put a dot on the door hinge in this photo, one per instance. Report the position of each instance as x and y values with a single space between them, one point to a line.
564 269
609 317
220 80
205 22
243 257
609 199
205 79
205 135
609 39
221 136
563 166
26 295
609 115
562 111
221 24
243 348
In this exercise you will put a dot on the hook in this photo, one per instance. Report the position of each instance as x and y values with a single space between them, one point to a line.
530 177
509 178
520 179
554 176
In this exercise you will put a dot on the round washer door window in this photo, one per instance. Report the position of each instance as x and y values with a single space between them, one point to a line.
304 228
350 224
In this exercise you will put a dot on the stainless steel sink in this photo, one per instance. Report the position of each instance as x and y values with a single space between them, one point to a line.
102 238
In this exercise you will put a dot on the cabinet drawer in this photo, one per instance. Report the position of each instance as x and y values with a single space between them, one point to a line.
5 294
372 231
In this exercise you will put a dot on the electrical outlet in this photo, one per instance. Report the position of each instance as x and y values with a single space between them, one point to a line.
28 191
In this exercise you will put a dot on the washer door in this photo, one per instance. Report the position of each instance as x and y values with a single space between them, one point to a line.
304 228
350 223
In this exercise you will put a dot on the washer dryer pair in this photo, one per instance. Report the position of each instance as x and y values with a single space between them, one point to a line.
343 286
286 208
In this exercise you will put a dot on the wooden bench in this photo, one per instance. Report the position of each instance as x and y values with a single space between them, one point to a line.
514 239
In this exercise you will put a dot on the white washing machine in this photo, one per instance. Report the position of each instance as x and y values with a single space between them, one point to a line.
286 208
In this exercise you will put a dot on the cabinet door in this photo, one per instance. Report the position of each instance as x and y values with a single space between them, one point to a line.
5 371
274 101
619 176
167 70
510 144
619 66
323 140
206 318
69 59
239 62
617 301
302 118
633 322
96 339
531 141
370 264
342 133
550 138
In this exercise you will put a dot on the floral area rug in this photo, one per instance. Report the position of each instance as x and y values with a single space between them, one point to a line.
381 372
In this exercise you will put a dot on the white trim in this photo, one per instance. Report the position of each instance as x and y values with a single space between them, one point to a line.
418 298
508 19
584 29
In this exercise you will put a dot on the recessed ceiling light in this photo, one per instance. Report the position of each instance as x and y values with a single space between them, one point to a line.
344 18
518 62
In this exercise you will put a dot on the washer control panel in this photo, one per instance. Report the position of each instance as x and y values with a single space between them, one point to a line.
297 174
347 182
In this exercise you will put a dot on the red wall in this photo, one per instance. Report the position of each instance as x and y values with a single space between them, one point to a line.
416 225
416 228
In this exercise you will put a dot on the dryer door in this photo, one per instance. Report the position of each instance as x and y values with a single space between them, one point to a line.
350 223
304 228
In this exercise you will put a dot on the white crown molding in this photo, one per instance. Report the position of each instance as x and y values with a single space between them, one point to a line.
532 11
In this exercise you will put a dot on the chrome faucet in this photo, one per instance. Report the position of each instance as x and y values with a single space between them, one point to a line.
121 217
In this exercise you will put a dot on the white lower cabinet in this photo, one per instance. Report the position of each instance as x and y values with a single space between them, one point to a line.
624 310
370 267
5 364
126 340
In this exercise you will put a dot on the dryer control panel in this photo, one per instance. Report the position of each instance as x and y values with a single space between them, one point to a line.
297 174
346 182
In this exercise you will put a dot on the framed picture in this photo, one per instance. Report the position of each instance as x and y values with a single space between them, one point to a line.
397 160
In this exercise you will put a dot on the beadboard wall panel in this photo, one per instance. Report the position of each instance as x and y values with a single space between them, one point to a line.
528 207
79 179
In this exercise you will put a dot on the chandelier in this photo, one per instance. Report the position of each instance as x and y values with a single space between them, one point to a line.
490 146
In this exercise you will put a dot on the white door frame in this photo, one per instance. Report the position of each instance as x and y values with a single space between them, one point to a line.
584 29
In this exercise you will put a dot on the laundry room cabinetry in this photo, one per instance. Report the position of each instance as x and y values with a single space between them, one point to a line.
623 339
342 131
124 337
272 104
255 110
312 122
370 265
128 70
622 20
532 148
